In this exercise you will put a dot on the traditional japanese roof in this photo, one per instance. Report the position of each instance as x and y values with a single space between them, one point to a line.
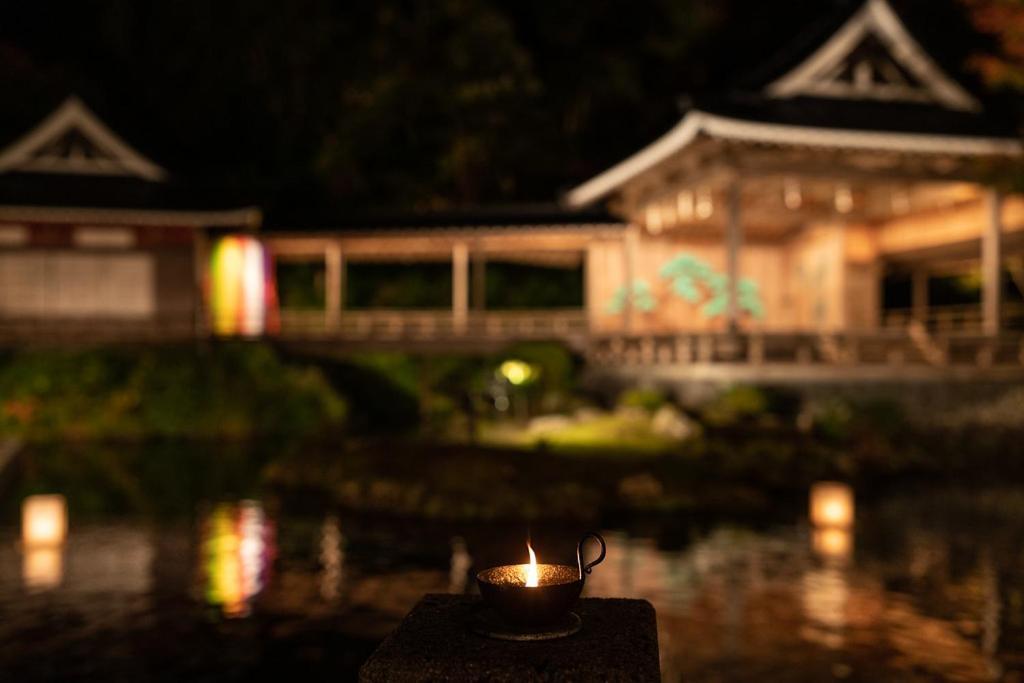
72 166
869 86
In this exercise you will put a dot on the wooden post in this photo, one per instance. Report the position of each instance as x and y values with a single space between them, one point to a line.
479 275
333 285
733 242
991 264
919 295
629 240
460 287
590 286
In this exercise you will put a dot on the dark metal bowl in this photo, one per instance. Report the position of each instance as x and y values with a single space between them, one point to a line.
559 586
504 589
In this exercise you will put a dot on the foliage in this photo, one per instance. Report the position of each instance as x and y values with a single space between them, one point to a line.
645 398
735 405
1003 19
231 390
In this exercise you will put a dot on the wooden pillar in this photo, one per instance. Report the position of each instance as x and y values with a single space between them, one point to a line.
479 275
590 274
919 295
629 244
733 243
333 285
460 286
991 264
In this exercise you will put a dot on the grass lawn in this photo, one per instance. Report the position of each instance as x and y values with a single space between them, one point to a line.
613 432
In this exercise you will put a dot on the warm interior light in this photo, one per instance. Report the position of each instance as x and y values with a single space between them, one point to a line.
844 199
653 219
705 204
531 569
831 505
832 544
44 521
792 195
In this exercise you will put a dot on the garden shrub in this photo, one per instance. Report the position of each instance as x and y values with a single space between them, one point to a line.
648 399
227 390
736 405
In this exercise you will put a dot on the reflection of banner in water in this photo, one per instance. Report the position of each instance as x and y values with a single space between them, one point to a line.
238 549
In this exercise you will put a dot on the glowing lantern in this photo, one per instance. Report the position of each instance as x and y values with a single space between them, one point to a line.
831 505
242 297
44 521
516 372
44 527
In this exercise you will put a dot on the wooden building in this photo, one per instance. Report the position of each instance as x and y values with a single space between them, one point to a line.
757 230
96 240
779 208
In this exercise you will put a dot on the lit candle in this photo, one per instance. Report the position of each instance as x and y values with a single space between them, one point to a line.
531 569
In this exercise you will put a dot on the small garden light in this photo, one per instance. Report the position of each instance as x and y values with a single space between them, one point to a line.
517 372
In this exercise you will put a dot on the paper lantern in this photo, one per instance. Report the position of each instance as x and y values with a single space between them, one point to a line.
831 505
44 521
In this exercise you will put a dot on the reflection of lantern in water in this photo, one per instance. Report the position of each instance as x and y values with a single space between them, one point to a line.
242 290
831 505
44 526
832 544
237 548
831 514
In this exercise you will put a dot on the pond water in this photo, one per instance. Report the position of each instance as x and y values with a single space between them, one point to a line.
926 585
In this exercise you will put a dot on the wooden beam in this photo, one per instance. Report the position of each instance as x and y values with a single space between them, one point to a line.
333 284
460 286
629 254
991 263
733 243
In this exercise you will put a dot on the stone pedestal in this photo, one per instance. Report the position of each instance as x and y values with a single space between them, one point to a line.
618 642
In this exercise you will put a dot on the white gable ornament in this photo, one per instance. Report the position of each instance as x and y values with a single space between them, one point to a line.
73 140
873 56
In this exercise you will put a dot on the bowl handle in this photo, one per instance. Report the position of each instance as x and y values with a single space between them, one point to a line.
586 568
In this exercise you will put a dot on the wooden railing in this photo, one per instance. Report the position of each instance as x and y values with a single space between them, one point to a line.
959 318
433 325
893 347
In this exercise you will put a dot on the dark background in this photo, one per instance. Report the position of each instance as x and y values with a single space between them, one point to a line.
405 105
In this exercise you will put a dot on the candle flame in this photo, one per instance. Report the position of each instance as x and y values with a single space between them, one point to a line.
531 569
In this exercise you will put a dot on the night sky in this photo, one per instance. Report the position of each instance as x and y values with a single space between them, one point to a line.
408 105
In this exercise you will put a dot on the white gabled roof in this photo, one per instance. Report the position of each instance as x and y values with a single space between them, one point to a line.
834 70
904 73
73 140
696 123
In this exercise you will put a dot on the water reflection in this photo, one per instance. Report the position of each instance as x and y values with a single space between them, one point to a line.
332 559
237 548
935 591
461 563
